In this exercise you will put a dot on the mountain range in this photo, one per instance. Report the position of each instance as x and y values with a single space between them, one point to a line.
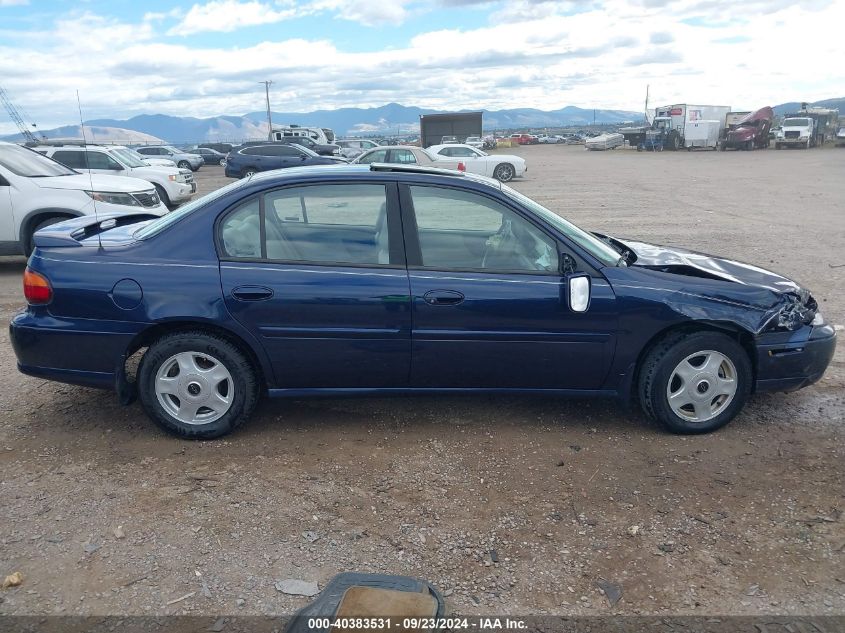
391 118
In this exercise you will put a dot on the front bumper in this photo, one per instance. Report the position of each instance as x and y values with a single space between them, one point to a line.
181 192
787 361
75 351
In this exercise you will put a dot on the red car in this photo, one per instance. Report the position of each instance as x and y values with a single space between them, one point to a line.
525 139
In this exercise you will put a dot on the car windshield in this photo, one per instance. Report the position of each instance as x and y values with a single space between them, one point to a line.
22 161
796 123
128 158
156 226
598 249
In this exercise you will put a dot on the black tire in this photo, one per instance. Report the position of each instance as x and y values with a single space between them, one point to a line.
246 172
222 162
673 142
657 369
163 195
29 246
183 164
244 381
504 172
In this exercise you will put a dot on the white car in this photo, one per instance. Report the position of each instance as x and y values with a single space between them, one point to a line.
153 161
352 147
502 167
474 141
36 191
552 139
174 185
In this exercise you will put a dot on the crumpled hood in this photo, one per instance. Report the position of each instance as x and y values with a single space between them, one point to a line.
762 298
95 182
654 256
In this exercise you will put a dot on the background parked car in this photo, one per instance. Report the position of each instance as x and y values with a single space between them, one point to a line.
503 167
223 148
173 185
182 159
323 149
36 192
474 141
210 156
153 161
250 159
550 139
352 147
402 155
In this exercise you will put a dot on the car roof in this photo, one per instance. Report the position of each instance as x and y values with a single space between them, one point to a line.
281 176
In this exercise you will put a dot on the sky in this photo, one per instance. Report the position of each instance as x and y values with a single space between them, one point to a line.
206 58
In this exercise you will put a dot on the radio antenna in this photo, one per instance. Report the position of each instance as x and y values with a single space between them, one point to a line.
88 166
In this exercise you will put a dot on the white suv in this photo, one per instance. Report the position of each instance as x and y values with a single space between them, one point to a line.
36 191
174 185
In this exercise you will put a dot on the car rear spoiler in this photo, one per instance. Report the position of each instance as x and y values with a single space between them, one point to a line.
72 232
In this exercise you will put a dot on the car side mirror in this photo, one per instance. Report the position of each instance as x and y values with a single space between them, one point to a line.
579 288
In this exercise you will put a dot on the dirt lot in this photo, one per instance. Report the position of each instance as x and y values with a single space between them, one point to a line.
561 493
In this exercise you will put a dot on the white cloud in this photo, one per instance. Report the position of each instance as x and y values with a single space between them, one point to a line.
13 3
367 12
230 15
600 57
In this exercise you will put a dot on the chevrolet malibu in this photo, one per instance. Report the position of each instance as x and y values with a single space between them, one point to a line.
387 279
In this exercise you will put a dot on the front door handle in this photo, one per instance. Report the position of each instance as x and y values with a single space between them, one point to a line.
443 297
252 293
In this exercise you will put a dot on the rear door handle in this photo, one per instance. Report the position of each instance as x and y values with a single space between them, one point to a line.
443 297
252 293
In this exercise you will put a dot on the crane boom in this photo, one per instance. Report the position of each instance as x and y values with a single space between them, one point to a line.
16 116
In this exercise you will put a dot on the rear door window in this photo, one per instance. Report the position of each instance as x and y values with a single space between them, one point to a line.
337 223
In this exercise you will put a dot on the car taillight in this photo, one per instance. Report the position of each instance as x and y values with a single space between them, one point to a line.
461 166
36 288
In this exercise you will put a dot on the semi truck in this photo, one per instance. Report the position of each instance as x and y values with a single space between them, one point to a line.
750 132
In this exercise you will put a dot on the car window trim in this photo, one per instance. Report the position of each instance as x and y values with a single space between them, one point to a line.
395 235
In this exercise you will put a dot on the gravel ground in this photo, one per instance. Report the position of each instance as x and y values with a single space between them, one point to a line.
512 505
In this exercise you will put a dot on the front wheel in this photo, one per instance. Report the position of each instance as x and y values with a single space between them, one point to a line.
183 164
504 172
695 383
222 162
197 385
162 194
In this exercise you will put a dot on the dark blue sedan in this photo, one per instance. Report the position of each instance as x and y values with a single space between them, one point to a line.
387 279
250 159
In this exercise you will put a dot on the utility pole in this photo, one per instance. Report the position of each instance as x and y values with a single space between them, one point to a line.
269 118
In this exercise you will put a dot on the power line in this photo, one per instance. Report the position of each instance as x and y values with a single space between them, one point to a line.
15 114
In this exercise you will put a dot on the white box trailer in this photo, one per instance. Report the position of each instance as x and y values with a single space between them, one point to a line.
683 113
704 133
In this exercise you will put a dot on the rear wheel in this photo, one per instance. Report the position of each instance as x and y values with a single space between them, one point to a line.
249 171
504 172
197 385
695 383
222 162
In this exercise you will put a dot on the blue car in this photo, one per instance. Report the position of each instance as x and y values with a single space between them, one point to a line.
251 158
388 279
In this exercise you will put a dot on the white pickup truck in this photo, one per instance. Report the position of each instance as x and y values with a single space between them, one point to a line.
173 184
36 191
